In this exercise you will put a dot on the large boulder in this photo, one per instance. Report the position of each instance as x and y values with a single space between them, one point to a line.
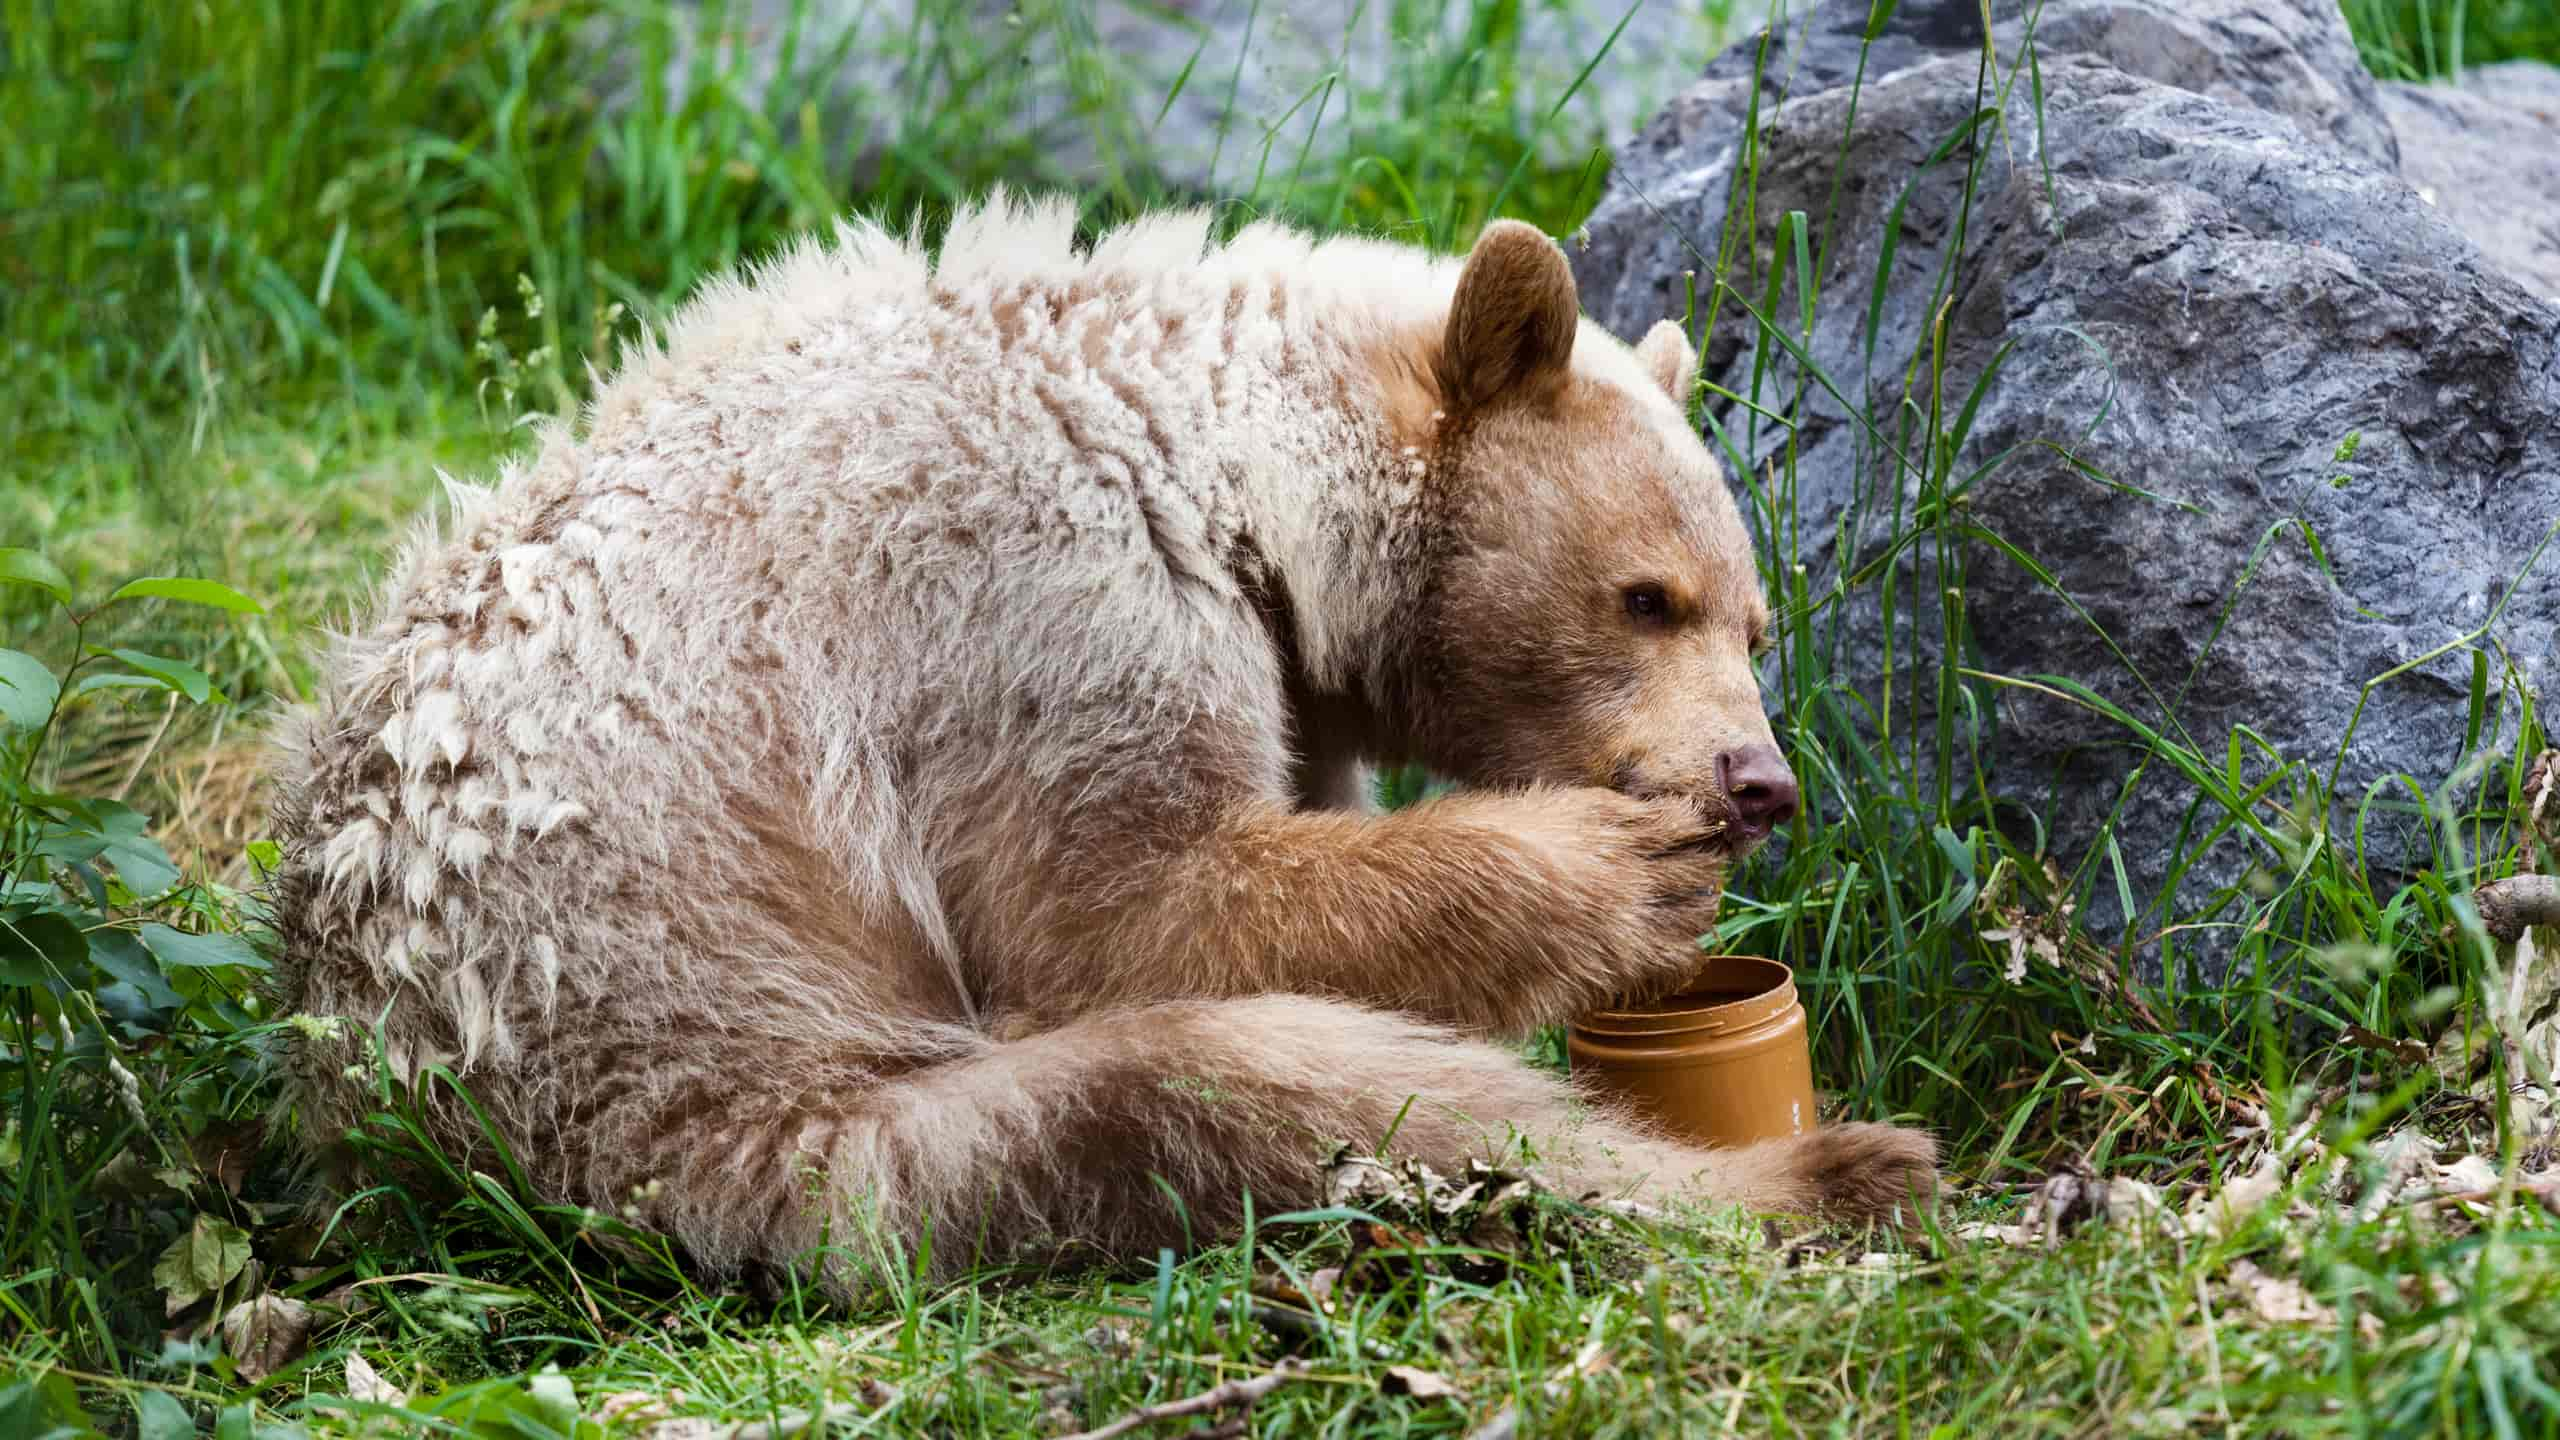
2205 274
2294 57
1204 95
2486 150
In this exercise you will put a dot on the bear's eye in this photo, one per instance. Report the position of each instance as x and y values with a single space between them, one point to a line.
1647 602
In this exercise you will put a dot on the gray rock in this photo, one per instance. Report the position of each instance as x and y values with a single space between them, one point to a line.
2487 153
2293 57
2200 299
1202 95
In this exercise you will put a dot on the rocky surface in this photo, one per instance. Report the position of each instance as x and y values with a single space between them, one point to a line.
2199 270
2293 57
2486 151
1126 86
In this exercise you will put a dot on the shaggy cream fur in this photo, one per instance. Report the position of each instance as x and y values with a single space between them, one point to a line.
901 761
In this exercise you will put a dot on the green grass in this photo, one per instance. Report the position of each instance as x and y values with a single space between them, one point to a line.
264 268
2435 39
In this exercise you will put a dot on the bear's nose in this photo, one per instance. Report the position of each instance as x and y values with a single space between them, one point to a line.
1759 786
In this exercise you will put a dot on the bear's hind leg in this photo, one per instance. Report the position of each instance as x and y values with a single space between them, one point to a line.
1083 1138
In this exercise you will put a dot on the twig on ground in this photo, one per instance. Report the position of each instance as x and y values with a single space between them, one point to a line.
2509 906
1220 1397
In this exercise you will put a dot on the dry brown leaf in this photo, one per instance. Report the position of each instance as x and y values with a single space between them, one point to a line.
1418 1383
1360 1180
1981 1230
2278 1299
265 1335
632 1406
2466 1175
2406 1156
2135 1202
1113 1336
2407 1052
2218 1215
2069 1198
223 1153
1320 1286
366 1384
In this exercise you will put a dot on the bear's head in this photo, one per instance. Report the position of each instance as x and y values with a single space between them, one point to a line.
1594 613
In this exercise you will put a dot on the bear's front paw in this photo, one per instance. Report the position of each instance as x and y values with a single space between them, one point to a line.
1866 1173
1661 866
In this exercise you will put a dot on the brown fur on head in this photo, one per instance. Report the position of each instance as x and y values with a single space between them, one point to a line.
1594 617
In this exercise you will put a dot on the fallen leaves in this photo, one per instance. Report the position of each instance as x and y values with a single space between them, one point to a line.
1472 1224
2280 1181
207 1256
366 1385
1419 1383
2072 1197
2407 1052
265 1333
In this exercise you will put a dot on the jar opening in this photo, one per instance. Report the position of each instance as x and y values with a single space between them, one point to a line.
1728 991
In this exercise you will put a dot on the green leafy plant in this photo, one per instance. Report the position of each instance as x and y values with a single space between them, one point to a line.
127 1024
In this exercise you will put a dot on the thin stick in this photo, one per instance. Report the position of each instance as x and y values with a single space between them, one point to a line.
1233 1392
149 747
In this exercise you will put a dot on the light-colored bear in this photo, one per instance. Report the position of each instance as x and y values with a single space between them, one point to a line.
904 762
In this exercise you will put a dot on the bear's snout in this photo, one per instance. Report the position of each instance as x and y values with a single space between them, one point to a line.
1758 788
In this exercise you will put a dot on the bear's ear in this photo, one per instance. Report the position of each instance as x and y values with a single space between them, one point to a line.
1669 359
1511 326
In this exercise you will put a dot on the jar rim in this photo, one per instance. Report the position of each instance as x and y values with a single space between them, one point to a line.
1728 992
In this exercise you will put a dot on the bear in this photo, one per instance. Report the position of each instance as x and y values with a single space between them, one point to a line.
904 769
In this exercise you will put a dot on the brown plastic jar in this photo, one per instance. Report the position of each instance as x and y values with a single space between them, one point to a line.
1726 1061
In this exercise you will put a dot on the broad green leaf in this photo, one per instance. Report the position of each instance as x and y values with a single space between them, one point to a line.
201 1261
535 1407
115 680
27 689
37 945
193 592
44 1405
128 1006
89 827
176 947
143 865
26 567
178 675
158 1416
70 844
555 1399
115 819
